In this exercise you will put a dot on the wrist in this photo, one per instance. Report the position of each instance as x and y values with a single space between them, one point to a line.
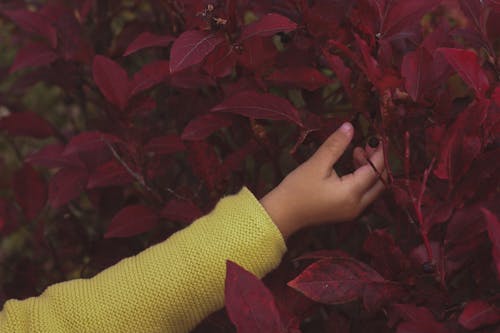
279 212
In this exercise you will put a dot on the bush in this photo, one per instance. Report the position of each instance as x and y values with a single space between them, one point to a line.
125 120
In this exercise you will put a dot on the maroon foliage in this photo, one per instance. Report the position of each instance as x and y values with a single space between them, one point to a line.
130 119
250 305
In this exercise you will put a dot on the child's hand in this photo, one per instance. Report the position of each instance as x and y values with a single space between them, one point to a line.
314 194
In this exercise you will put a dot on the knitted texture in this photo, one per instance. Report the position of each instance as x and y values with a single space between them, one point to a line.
169 287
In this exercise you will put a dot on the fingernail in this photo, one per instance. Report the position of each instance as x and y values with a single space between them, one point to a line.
346 128
373 142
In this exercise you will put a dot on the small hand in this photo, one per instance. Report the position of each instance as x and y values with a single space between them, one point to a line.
313 193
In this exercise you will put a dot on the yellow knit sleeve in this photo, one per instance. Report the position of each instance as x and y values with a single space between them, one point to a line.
169 287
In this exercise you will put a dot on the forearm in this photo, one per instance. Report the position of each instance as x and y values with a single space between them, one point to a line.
169 287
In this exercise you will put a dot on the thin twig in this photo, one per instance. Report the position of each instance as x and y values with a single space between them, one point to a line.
139 178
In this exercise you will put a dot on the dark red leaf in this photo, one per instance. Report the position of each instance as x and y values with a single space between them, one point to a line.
387 257
221 62
378 294
33 23
476 12
336 64
249 304
164 145
205 163
26 124
202 126
258 52
466 64
84 10
181 210
493 225
462 142
73 44
405 15
30 191
112 80
303 77
147 39
112 173
268 25
89 141
371 66
408 312
259 106
190 79
477 314
132 221
191 48
496 96
465 225
33 54
422 326
149 76
51 156
335 281
66 185
415 69
234 161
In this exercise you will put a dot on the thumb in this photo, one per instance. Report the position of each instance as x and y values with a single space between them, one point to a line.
332 149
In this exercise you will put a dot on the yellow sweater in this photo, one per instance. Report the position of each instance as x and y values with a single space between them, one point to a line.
169 287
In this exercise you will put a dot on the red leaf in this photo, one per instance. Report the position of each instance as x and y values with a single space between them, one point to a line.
268 25
422 326
191 48
73 44
259 106
378 294
33 54
111 173
336 64
408 312
164 145
181 210
303 77
462 143
51 156
202 126
415 69
221 62
205 163
493 225
89 141
112 81
234 161
147 39
387 257
132 221
466 64
249 304
30 191
258 52
335 281
404 15
149 76
496 96
66 185
26 124
33 23
477 314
